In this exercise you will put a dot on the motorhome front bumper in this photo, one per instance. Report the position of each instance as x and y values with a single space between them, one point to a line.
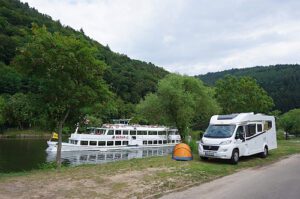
215 151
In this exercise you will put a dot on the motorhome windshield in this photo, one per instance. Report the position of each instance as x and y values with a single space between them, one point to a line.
219 131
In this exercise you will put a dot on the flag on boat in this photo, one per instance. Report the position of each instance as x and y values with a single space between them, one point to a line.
54 135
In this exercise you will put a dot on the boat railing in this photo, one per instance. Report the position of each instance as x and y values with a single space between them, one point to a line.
132 125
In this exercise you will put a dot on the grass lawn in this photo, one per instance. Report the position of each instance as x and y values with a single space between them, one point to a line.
137 178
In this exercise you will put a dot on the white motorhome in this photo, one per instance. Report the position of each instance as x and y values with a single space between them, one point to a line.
236 135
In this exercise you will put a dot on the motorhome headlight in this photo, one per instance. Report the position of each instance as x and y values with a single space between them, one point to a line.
225 142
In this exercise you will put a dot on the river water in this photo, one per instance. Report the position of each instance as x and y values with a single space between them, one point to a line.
27 154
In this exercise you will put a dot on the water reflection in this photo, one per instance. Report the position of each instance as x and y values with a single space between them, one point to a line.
98 157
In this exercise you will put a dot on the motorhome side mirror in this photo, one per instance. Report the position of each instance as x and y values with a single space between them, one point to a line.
242 137
237 136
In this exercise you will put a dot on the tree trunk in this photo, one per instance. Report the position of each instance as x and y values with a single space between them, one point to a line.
59 143
182 133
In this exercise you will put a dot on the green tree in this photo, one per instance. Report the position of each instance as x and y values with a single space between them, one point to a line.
2 111
10 80
19 111
68 75
178 101
243 94
290 122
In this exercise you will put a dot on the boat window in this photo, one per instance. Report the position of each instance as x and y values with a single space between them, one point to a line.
75 141
250 130
118 132
101 143
162 133
171 133
176 133
259 128
125 132
125 142
101 157
178 141
90 130
140 132
118 143
165 141
84 142
173 141
144 132
152 132
150 142
132 132
110 132
83 157
110 143
118 156
155 142
160 142
110 156
93 143
100 131
145 142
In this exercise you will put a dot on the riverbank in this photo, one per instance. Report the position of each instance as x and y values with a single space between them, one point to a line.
28 133
137 178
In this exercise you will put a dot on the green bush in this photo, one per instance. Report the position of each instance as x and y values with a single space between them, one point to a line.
66 130
196 135
280 135
194 146
290 122
47 165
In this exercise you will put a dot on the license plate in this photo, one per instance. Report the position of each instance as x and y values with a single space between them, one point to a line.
209 153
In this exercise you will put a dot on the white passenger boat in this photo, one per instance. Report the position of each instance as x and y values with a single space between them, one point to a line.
120 135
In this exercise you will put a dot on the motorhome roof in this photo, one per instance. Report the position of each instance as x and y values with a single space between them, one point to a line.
238 118
227 117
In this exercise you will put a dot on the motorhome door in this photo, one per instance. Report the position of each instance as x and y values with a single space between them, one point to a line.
251 143
240 140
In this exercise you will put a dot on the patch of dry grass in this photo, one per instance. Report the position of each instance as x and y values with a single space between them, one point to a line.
137 178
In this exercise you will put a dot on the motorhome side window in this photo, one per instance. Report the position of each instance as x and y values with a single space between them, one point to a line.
259 128
251 130
267 125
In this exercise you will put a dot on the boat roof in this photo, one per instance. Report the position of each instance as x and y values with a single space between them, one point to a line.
133 127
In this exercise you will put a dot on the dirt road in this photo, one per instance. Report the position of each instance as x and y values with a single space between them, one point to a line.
276 181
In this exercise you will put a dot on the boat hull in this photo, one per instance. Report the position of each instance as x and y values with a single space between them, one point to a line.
52 146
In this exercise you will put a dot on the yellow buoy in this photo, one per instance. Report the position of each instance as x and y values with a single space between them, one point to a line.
182 152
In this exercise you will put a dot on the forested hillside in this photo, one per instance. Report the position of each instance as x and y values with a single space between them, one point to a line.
282 82
128 79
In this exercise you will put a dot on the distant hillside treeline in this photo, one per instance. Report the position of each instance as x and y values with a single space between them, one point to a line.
282 82
129 79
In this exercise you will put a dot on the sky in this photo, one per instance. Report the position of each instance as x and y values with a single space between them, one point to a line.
188 36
